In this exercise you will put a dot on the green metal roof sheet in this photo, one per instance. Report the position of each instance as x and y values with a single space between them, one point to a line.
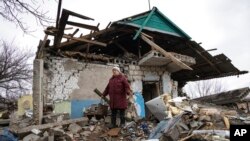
154 20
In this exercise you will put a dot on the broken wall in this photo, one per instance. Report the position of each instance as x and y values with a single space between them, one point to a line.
70 82
138 75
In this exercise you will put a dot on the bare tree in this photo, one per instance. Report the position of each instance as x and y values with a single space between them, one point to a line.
205 87
13 11
15 71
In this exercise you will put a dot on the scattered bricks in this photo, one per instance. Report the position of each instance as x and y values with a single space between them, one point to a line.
85 133
74 128
69 137
52 118
58 132
83 122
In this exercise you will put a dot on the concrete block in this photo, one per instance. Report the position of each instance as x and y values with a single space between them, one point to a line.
131 72
130 78
74 128
137 67
132 67
136 73
126 68
140 73
31 137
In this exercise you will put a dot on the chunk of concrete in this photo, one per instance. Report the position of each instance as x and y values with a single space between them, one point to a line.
74 128
85 133
31 137
205 118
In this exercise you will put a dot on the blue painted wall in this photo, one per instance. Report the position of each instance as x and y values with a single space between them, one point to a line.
139 104
78 105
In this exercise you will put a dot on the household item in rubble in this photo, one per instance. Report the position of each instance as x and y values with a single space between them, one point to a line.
98 110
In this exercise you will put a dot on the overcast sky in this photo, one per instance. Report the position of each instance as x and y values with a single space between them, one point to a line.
221 24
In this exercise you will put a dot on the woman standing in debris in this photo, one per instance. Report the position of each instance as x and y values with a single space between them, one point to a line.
118 88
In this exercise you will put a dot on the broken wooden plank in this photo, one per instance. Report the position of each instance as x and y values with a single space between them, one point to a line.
85 40
187 137
165 53
73 34
100 94
49 125
58 12
121 47
205 58
62 23
226 122
40 49
144 23
90 27
88 36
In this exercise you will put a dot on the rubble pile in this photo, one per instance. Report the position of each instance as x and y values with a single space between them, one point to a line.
176 119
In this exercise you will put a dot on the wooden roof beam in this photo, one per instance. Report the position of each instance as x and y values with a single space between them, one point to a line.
85 40
90 27
165 53
205 58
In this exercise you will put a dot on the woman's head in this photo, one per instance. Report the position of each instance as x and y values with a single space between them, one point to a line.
116 71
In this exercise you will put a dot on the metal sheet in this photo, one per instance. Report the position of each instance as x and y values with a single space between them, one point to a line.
157 107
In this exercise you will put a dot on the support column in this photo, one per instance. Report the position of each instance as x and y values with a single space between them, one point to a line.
37 91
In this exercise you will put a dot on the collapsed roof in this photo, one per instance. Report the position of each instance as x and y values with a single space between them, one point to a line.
133 39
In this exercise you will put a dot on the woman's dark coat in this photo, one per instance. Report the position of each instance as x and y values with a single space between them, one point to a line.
117 89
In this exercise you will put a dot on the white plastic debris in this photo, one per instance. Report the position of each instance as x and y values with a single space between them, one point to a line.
36 131
177 99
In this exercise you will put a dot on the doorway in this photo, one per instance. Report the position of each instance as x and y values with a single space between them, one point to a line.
150 91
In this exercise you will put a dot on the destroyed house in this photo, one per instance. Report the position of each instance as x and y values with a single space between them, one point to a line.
155 54
238 99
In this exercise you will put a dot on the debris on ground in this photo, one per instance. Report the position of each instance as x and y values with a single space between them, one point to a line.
185 120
